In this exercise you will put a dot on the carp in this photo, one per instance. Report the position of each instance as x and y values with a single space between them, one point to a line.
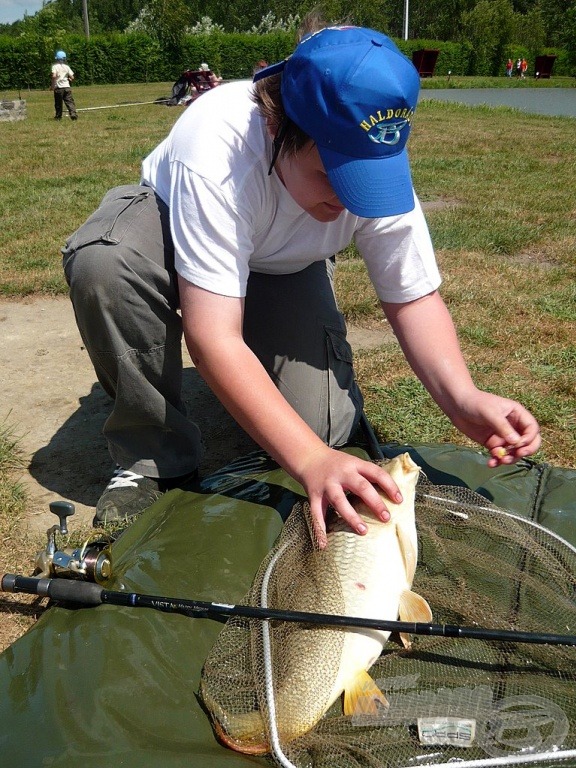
372 576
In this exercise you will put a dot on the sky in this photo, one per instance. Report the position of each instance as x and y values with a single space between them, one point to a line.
12 10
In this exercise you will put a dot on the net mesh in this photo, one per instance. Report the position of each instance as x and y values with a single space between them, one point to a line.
472 701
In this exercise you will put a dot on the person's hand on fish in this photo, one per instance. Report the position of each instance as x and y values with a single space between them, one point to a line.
329 475
503 426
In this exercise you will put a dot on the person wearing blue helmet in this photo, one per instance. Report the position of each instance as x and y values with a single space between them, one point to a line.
62 76
230 239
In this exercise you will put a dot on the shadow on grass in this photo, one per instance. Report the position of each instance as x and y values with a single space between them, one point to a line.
76 464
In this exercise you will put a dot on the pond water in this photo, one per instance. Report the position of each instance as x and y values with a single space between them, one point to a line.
558 102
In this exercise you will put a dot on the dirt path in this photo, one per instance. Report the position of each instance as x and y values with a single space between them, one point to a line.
51 398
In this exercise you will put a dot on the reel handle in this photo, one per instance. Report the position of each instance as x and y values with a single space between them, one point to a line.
62 510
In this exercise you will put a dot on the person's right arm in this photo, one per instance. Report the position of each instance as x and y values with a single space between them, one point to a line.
213 331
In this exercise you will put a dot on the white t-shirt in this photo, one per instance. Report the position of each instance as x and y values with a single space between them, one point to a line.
62 74
229 217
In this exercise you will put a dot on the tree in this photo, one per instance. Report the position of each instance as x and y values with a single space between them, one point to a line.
488 27
569 32
437 20
169 20
485 23
530 31
555 14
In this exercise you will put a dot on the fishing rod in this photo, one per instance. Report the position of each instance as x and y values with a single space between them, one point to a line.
91 594
127 104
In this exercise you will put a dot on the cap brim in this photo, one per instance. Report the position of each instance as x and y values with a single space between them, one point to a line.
272 69
370 188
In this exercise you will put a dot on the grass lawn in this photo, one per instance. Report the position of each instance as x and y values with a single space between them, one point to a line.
504 228
500 185
503 223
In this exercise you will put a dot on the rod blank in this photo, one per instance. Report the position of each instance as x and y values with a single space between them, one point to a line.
86 593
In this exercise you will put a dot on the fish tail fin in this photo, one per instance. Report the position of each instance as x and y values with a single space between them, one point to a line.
364 697
413 607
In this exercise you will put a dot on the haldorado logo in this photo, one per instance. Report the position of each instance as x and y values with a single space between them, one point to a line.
386 128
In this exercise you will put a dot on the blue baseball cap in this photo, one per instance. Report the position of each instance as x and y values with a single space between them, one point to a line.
60 55
354 93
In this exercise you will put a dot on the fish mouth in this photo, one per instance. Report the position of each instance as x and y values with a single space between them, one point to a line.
246 746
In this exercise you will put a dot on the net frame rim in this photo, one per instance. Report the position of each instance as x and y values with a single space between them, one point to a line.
497 511
471 506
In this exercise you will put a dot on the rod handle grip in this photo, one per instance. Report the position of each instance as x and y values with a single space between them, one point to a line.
64 590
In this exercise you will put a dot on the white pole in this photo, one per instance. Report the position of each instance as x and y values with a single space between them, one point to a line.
129 104
406 9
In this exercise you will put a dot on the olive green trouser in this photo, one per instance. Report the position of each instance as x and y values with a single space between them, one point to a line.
120 269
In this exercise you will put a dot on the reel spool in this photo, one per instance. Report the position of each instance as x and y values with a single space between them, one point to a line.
90 562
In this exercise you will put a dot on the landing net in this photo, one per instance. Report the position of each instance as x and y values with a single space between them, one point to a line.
451 701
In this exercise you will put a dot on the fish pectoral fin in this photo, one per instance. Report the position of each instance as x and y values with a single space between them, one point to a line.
413 607
406 640
364 697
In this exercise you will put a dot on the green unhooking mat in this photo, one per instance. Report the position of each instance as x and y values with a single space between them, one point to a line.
114 686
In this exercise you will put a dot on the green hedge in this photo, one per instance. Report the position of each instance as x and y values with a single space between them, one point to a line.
25 62
234 55
561 68
135 58
453 57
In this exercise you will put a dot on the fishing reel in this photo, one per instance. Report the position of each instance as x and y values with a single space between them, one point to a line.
90 562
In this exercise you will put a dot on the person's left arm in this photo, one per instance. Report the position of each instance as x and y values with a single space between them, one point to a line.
428 338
